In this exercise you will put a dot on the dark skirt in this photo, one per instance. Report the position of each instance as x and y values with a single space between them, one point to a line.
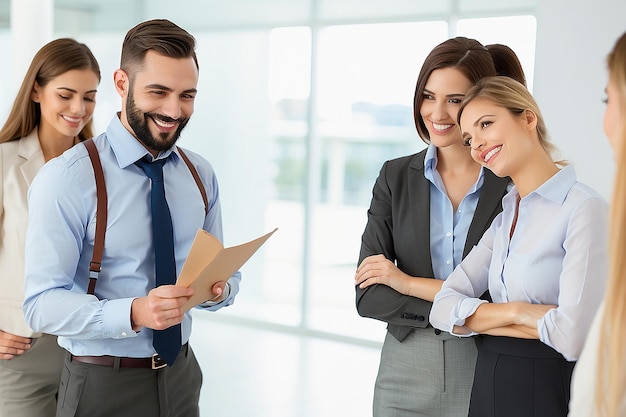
519 377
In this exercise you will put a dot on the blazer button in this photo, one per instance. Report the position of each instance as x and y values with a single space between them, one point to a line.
437 332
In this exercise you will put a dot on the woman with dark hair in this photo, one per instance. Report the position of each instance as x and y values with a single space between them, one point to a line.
52 112
506 62
427 211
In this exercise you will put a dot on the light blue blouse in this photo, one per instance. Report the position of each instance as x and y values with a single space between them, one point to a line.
448 227
557 255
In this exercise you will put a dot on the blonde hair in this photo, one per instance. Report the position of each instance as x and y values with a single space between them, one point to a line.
515 97
611 371
53 59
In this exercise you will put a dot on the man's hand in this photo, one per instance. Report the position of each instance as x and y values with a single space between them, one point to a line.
12 345
161 308
217 290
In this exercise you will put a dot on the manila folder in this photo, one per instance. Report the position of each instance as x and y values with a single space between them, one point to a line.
209 262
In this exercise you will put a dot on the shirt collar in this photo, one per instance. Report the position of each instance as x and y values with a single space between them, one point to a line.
430 166
555 189
29 146
558 186
430 162
126 148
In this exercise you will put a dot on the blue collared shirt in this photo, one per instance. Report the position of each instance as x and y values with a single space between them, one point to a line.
60 238
557 255
448 228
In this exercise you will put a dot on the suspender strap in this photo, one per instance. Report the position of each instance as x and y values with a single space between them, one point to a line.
101 216
101 209
196 177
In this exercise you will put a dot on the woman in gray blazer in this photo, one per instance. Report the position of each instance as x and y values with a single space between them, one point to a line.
52 111
427 211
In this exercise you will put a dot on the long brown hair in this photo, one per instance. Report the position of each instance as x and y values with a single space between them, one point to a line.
53 59
506 62
611 371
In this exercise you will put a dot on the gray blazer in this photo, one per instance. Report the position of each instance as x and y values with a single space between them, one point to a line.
398 227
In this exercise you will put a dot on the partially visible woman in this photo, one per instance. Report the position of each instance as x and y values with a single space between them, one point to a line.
599 382
543 261
52 111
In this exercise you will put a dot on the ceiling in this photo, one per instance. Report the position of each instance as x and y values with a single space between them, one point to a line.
118 15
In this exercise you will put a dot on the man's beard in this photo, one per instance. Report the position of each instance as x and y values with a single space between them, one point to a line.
138 122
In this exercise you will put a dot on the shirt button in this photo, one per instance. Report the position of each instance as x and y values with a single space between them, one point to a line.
448 262
124 334
448 234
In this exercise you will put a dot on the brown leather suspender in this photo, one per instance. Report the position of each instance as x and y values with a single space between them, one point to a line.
101 216
194 174
101 209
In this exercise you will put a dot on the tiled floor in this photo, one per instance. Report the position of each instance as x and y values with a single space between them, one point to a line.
253 372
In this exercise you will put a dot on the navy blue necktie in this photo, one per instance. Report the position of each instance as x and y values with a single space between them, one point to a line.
166 342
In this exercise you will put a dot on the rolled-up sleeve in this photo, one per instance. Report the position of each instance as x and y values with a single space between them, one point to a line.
582 280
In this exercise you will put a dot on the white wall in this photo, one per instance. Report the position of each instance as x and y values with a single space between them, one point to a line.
570 77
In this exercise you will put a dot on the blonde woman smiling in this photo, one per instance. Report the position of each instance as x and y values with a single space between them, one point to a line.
543 261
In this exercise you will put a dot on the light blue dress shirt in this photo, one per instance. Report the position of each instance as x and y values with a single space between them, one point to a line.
60 238
557 255
448 228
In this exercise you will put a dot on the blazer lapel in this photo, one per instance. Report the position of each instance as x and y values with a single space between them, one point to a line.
489 205
419 200
32 156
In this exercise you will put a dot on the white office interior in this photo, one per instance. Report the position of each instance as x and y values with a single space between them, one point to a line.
299 104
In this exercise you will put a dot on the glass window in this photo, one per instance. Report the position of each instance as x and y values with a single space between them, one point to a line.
365 88
260 171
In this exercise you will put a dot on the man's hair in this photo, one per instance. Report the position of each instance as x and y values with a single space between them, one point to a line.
160 36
